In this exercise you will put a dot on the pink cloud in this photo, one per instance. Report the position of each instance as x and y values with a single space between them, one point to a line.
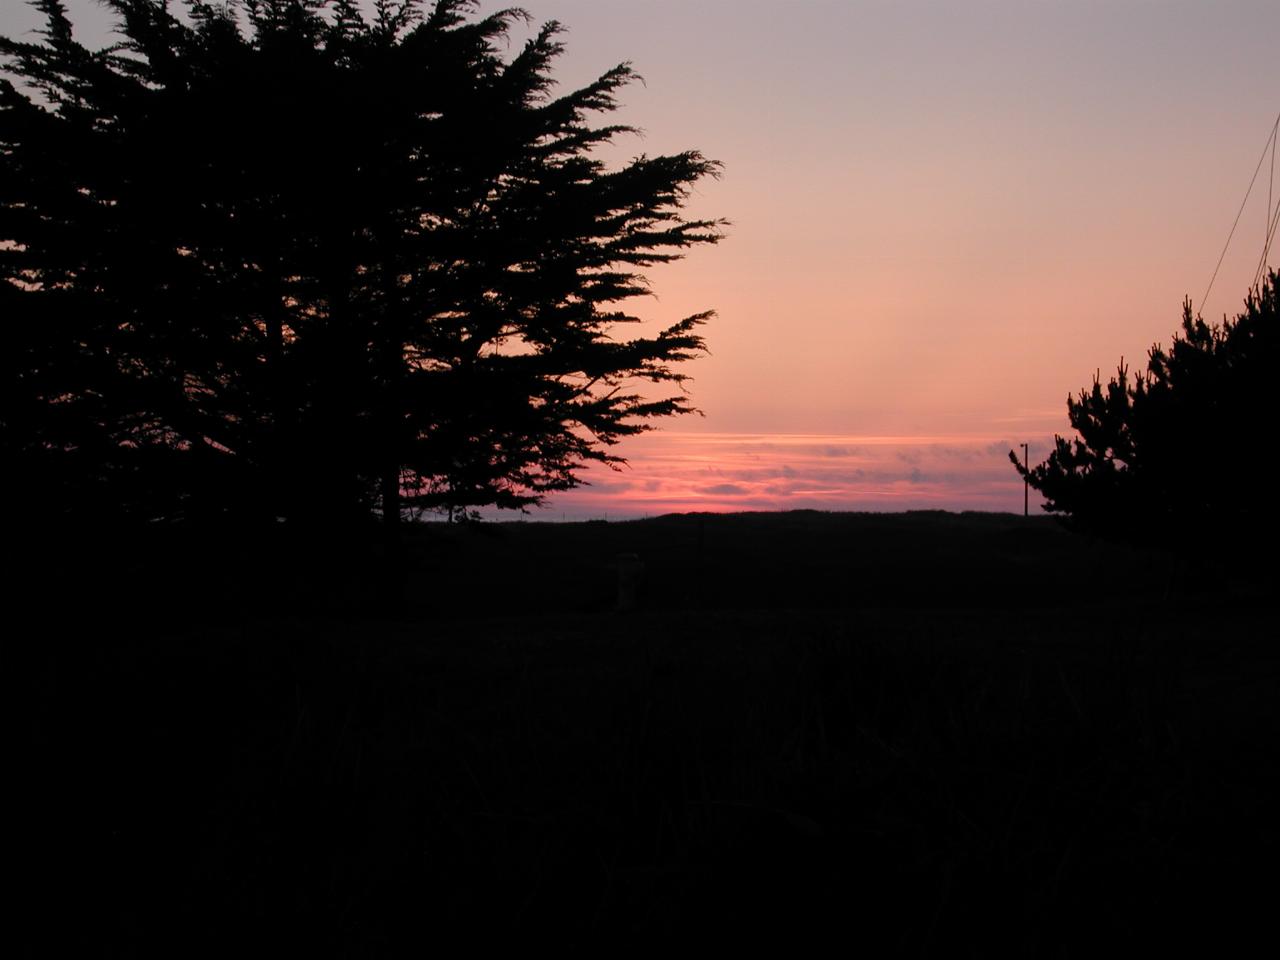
719 472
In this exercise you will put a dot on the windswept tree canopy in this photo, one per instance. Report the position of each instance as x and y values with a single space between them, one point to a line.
1174 455
279 258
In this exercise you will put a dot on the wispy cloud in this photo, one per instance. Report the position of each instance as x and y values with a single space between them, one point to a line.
680 472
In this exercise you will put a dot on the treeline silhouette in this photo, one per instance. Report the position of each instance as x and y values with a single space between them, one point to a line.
295 264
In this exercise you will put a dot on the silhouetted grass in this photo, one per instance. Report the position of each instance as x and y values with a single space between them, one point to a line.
924 734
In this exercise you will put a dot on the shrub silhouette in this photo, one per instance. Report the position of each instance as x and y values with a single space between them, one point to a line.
1167 456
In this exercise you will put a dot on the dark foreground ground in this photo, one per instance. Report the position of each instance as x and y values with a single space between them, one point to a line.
919 734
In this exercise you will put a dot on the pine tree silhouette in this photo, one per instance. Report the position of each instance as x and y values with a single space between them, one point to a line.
1166 457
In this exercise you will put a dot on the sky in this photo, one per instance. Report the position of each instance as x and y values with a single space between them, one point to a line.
945 217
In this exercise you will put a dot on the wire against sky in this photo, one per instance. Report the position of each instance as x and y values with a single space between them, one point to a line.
1254 179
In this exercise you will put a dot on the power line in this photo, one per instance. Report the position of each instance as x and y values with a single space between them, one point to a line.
1266 250
1272 220
1270 185
1265 147
1269 221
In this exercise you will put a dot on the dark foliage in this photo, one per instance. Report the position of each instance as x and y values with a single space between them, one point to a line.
923 747
1167 456
279 260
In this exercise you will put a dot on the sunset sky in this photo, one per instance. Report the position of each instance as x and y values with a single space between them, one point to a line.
945 217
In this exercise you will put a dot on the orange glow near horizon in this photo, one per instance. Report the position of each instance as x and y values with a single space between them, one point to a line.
722 472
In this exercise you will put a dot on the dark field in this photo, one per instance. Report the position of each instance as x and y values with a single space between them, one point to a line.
918 734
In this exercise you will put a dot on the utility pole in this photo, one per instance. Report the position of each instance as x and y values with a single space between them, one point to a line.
1026 484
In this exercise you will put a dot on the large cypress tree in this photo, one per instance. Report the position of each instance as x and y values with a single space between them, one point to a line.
280 259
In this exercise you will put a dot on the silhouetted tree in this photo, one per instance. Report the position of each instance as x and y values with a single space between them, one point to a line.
1172 456
279 259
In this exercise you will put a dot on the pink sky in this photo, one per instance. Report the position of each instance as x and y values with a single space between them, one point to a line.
945 217
676 472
